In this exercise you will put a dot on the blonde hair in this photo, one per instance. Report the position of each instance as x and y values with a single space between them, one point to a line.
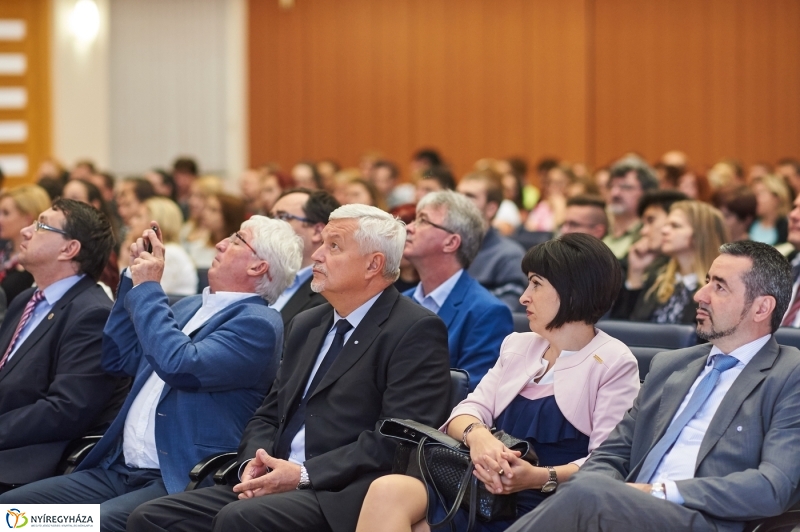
778 187
708 234
167 215
32 200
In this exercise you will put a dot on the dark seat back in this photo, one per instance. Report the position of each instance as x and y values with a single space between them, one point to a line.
643 334
788 336
459 386
202 279
521 324
528 239
644 355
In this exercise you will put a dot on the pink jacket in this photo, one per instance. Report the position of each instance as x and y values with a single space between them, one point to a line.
593 388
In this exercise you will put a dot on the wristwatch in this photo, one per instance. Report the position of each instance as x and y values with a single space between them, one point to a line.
304 483
552 483
658 491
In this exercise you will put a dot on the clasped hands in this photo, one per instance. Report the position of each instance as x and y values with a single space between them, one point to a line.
265 474
500 469
147 265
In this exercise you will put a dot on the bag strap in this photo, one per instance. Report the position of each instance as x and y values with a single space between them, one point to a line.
434 494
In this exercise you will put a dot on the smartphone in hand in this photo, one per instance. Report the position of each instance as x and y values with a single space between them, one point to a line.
149 245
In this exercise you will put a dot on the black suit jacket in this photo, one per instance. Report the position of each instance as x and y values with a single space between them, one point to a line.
303 299
395 364
53 389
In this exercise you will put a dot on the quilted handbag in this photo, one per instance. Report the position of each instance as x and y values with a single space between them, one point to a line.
446 469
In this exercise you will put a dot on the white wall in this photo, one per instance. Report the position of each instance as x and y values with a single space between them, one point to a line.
163 79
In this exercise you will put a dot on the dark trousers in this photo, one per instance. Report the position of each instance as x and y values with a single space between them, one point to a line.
595 502
218 509
118 490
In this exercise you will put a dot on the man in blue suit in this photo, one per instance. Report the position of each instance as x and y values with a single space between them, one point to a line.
441 244
201 368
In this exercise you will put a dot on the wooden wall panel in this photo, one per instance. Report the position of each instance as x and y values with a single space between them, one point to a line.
586 80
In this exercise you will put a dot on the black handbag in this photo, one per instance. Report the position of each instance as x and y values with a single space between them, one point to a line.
446 470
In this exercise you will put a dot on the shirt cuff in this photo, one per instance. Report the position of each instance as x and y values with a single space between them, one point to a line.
673 495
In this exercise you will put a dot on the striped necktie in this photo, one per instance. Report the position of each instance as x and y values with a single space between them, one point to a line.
26 316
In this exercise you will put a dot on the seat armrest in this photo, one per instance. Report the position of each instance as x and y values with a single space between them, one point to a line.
227 474
206 467
78 451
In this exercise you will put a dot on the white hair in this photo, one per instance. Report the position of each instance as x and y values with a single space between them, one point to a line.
377 231
275 242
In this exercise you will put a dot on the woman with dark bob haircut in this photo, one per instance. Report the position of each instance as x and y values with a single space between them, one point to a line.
563 387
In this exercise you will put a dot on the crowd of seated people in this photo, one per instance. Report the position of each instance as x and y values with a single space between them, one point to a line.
333 314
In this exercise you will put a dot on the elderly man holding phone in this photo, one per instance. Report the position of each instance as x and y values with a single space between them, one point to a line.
200 369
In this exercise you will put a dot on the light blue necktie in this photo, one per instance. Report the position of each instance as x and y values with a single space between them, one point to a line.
720 363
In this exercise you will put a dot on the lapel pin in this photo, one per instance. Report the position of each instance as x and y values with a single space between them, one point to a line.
598 359
50 317
739 428
356 342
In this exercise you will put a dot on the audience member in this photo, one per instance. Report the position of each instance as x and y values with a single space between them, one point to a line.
201 368
132 192
180 274
307 211
273 186
83 169
585 214
696 186
163 183
563 387
508 216
434 179
773 199
326 168
53 187
222 216
495 265
385 176
19 208
789 169
305 175
738 207
184 173
792 316
194 237
726 173
251 183
441 244
691 237
363 192
628 181
425 159
711 440
312 449
105 181
52 168
549 212
514 172
52 386
409 278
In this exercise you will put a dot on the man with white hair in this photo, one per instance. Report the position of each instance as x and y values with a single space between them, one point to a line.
200 369
312 449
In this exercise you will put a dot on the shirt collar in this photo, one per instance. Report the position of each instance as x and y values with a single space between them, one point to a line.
358 314
441 292
302 275
745 353
56 291
220 299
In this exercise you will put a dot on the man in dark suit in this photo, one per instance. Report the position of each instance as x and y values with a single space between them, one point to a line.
711 442
201 369
441 244
52 387
311 451
307 211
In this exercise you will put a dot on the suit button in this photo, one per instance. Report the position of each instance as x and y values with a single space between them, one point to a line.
283 418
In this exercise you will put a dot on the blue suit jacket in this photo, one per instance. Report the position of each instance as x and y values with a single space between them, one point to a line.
477 323
214 379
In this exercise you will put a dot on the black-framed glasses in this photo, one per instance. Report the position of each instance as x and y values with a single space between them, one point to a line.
285 216
423 220
237 235
39 226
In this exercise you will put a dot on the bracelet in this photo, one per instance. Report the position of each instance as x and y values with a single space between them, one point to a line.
469 429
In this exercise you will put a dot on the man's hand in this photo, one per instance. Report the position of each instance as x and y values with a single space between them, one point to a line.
265 475
639 258
147 266
641 487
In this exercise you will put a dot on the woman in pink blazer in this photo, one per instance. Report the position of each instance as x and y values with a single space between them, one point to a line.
563 387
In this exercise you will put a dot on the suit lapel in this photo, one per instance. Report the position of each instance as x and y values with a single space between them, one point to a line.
452 304
298 300
740 390
361 339
299 378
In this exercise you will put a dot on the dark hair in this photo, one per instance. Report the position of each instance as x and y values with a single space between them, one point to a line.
319 206
584 273
186 165
389 165
92 229
587 200
430 156
740 201
644 174
53 186
93 194
546 164
790 161
770 275
493 182
659 198
108 179
234 212
315 175
142 188
442 175
169 181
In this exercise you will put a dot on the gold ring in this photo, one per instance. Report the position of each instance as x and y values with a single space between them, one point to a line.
500 472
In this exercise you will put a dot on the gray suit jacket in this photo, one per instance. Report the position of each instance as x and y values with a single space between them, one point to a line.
748 466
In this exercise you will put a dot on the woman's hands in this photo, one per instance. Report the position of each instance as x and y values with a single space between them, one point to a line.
490 457
520 475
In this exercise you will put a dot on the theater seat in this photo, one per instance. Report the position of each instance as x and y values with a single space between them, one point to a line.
224 465
202 279
788 336
528 239
785 522
643 334
644 355
521 324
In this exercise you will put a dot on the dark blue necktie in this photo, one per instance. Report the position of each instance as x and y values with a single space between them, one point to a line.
720 363
297 418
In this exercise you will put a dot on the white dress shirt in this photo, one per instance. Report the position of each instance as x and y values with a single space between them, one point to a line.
52 294
139 434
297 453
548 377
301 277
679 463
438 295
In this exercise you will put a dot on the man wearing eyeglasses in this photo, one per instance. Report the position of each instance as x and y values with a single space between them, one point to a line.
200 368
441 244
52 386
307 212
585 214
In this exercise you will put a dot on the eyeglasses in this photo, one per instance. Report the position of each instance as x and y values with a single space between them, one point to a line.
236 235
422 220
285 216
39 226
574 226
